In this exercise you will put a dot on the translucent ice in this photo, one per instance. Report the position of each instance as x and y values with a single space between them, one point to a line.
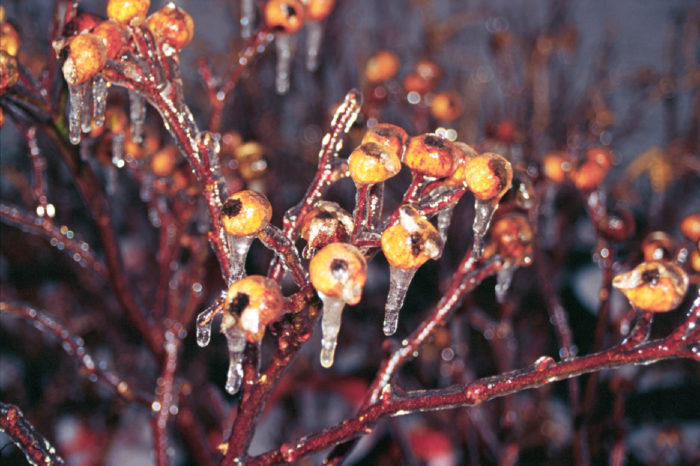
330 326
399 280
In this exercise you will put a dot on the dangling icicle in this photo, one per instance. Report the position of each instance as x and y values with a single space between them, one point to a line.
330 326
79 104
444 219
483 213
399 280
137 115
238 247
504 279
236 345
118 149
205 320
247 18
99 99
284 44
86 112
314 37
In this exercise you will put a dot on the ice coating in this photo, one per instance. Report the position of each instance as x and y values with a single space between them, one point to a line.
399 280
284 44
247 18
238 247
204 322
330 326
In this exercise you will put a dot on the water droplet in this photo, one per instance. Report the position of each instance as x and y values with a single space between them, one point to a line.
204 322
330 326
543 362
399 280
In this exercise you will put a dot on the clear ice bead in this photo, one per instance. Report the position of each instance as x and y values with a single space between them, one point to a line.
137 115
205 320
236 345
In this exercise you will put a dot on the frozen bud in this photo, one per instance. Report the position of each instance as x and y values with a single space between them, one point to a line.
424 78
252 303
9 74
317 10
114 37
393 138
339 270
511 238
85 57
164 161
252 163
690 227
654 286
657 245
489 176
284 15
600 155
446 106
555 166
430 155
326 223
172 25
245 213
371 163
411 242
382 66
9 39
128 11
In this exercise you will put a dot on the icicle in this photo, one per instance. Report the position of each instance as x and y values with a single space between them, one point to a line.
112 174
238 247
118 150
483 212
330 326
78 106
503 280
444 219
284 44
314 38
236 346
399 280
205 319
247 18
86 112
137 115
99 99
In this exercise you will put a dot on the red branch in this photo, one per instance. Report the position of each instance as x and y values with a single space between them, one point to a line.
35 447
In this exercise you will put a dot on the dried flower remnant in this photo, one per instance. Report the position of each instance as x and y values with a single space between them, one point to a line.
488 176
243 214
172 26
381 67
406 246
128 11
10 41
446 106
9 74
657 245
690 227
338 272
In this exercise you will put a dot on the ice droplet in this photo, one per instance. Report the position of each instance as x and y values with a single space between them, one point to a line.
543 362
483 213
236 346
238 247
99 99
284 44
137 115
399 280
78 106
314 37
330 326
503 280
247 18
